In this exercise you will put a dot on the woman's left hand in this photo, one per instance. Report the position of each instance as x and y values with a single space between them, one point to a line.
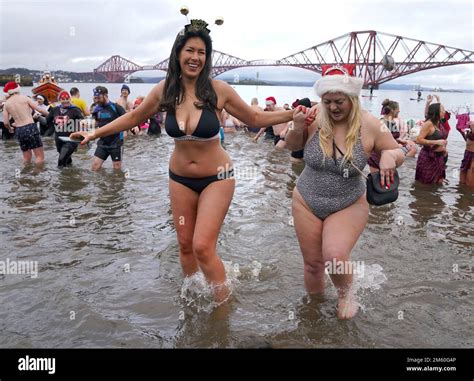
387 168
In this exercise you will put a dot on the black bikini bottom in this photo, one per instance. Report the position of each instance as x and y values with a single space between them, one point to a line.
198 184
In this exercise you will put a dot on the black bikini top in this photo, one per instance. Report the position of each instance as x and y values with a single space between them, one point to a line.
436 135
208 127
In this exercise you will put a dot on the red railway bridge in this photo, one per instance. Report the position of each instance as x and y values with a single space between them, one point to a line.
368 50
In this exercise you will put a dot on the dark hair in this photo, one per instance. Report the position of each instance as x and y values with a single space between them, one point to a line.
173 93
389 106
74 91
434 113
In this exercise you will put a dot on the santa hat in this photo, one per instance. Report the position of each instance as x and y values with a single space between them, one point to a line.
339 79
11 88
271 99
64 94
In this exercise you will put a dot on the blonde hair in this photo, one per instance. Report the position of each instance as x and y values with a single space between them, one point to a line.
326 127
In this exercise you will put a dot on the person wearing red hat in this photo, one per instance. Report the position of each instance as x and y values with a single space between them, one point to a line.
19 108
272 132
66 119
201 172
329 208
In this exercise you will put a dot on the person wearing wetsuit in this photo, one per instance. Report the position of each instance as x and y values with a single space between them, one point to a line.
112 145
431 163
65 118
330 210
201 182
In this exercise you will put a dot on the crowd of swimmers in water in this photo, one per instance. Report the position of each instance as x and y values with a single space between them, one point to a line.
429 140
336 138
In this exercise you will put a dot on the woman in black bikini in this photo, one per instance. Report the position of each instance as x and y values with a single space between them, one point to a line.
201 176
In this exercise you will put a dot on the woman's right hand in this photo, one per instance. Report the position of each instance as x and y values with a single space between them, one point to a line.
442 142
84 136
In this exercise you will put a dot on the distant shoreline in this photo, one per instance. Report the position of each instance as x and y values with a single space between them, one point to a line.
33 76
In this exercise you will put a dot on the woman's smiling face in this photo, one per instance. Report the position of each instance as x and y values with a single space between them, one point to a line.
192 57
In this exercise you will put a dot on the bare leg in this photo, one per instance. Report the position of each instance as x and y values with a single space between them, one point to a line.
213 205
27 155
39 156
309 229
97 163
281 144
184 208
341 231
117 164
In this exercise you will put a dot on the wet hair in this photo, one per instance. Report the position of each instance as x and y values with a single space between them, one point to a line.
74 91
434 113
389 106
173 94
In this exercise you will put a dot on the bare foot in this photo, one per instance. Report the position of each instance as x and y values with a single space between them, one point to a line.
221 293
347 306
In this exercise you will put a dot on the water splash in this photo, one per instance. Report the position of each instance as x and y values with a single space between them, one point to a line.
255 269
372 281
198 294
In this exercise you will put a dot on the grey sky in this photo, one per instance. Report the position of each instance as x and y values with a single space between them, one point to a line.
80 35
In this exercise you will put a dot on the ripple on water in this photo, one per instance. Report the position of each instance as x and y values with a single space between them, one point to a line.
107 251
